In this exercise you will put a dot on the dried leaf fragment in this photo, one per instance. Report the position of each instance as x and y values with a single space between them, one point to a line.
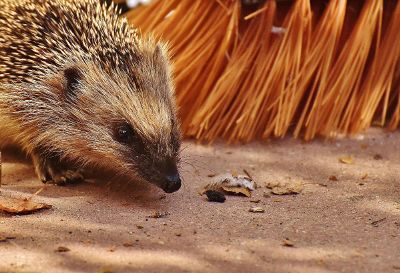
278 188
62 249
346 160
238 190
231 183
158 214
235 173
365 176
20 206
287 242
333 178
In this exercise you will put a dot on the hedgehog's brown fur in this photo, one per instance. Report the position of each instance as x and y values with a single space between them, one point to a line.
72 74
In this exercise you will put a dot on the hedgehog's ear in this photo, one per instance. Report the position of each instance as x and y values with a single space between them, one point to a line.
72 77
159 53
160 60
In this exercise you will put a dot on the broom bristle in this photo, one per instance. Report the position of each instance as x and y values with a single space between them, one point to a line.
330 68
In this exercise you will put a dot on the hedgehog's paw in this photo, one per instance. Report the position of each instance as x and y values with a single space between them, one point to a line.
40 168
65 177
53 172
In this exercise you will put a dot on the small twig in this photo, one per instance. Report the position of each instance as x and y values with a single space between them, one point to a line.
248 174
35 193
375 223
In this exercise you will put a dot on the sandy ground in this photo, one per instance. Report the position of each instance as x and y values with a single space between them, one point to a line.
348 225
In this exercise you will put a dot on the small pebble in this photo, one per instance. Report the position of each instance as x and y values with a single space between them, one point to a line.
257 210
215 196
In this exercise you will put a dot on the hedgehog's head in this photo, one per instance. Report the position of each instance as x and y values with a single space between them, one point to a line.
100 94
119 116
126 116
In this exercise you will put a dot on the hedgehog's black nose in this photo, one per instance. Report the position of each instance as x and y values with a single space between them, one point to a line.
173 183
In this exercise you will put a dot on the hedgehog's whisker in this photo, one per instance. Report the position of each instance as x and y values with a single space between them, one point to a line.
197 165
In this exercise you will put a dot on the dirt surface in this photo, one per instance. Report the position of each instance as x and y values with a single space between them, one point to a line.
348 224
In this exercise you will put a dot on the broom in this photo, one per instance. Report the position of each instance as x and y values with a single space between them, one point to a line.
309 68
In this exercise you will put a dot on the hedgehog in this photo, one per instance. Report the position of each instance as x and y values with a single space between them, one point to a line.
81 88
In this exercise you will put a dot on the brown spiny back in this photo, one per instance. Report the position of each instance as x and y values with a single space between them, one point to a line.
40 35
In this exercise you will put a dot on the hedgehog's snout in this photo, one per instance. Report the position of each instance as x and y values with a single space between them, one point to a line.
164 174
170 178
172 183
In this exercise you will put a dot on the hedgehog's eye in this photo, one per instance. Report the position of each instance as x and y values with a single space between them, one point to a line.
124 133
72 76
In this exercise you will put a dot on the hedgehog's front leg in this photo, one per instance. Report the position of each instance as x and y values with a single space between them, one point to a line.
49 169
